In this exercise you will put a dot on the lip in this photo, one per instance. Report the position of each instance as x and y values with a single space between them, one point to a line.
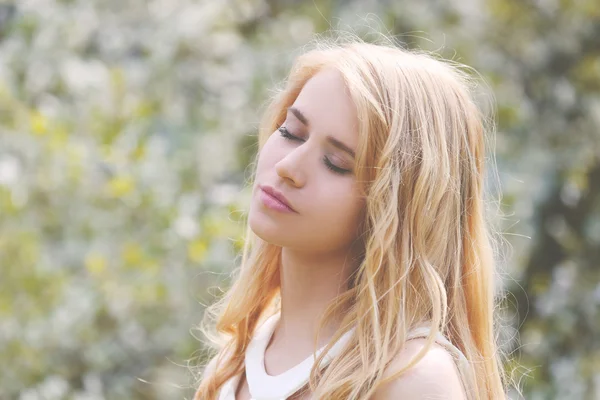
273 198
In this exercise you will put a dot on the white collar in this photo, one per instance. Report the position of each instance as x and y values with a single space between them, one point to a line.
278 387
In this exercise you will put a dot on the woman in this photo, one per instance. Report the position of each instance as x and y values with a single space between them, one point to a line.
368 269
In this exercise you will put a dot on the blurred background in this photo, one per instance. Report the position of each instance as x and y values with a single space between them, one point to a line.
126 131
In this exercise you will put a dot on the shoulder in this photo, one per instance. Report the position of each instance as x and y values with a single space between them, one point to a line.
210 368
435 376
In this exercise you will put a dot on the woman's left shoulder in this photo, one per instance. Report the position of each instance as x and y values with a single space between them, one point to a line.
435 376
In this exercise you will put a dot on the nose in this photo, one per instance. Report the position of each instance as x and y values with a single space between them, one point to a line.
293 166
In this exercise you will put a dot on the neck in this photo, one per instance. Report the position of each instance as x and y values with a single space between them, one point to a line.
308 285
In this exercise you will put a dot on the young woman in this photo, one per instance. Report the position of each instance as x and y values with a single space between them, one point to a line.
368 269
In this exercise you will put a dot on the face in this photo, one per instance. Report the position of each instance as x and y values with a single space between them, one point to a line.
308 160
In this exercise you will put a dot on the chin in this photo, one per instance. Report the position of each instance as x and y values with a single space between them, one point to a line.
265 228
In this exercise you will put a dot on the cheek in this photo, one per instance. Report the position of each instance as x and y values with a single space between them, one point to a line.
341 205
269 154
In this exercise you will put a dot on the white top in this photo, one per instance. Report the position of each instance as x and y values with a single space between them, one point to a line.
279 387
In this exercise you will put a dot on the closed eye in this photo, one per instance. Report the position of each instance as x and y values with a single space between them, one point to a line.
288 136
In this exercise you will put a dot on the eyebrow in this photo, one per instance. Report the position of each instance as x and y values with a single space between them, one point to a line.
335 142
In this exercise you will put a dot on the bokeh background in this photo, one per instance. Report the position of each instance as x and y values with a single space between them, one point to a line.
126 131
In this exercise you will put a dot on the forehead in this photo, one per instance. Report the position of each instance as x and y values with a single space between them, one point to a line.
327 105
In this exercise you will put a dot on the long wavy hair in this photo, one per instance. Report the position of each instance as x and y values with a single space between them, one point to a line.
428 246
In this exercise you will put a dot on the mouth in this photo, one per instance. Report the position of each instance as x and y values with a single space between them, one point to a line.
274 199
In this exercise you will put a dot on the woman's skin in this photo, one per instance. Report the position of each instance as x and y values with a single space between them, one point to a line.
317 240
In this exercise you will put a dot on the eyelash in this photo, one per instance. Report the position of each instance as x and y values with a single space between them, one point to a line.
288 136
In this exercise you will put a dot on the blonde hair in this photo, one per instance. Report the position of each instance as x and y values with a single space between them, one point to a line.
428 247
